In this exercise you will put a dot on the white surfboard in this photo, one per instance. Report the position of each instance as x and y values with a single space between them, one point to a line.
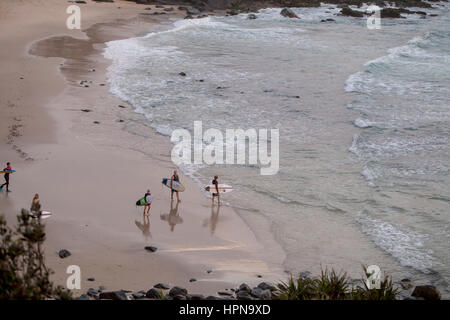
44 215
223 188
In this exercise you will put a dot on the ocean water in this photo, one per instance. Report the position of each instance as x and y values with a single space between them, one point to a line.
364 120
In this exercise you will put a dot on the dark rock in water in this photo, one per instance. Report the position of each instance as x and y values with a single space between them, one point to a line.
101 84
86 110
245 287
346 11
159 6
233 12
192 11
266 286
90 279
426 292
243 295
266 295
179 297
138 295
148 8
252 16
181 8
113 295
192 280
224 293
433 15
256 292
96 122
183 74
189 17
212 298
120 106
259 276
80 1
64 253
104 0
168 9
175 291
150 248
161 286
208 271
390 13
328 20
288 13
195 297
406 284
83 297
153 294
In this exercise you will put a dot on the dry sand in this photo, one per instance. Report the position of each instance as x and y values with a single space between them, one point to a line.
90 175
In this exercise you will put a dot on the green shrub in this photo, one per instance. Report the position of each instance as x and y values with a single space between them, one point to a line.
23 274
301 289
386 291
333 286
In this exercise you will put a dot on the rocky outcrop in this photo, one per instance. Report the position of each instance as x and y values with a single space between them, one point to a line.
153 294
113 295
426 293
177 291
346 11
391 13
288 13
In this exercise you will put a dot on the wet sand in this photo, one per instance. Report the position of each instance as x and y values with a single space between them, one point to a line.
89 171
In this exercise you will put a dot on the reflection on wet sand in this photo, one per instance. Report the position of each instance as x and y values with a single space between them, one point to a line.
173 218
144 226
212 221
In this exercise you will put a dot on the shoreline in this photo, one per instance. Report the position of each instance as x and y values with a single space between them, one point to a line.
227 246
72 137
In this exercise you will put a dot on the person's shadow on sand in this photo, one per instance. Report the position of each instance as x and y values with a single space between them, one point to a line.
144 226
212 221
173 218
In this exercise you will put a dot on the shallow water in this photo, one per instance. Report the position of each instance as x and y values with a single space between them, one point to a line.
364 128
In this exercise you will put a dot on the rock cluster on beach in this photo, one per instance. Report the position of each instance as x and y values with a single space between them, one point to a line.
161 291
263 291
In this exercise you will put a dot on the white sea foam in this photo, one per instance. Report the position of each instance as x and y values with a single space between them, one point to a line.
362 123
403 243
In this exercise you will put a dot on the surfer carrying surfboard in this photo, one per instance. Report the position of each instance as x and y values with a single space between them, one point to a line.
8 168
176 178
215 183
35 205
148 201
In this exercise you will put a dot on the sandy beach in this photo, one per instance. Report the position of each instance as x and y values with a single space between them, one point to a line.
89 172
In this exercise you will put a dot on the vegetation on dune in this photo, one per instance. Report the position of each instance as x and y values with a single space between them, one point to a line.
333 286
23 273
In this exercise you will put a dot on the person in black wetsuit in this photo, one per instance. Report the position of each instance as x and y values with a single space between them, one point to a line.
215 182
176 178
8 168
148 201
